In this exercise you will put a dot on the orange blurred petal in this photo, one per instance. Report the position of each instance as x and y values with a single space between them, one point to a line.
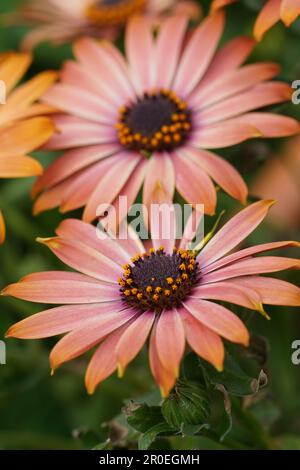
2 228
12 68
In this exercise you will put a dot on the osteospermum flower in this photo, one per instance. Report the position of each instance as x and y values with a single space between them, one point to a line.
21 130
60 22
155 119
123 295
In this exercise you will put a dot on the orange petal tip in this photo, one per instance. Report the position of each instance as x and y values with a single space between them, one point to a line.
51 241
121 370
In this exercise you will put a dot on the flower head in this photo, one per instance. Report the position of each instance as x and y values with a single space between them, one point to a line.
61 22
154 120
21 130
124 293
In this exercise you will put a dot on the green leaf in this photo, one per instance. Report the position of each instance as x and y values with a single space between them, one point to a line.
234 378
143 417
188 404
149 437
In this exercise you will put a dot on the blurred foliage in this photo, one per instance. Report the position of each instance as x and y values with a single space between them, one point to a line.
42 412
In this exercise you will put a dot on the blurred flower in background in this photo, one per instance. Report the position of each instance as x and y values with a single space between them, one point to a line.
62 21
280 178
21 130
153 120
119 298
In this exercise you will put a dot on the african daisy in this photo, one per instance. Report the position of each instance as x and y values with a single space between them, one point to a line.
123 295
59 22
153 120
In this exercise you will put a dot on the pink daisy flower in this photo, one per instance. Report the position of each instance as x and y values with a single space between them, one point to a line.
154 120
123 295
59 22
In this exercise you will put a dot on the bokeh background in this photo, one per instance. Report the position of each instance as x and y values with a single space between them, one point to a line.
42 412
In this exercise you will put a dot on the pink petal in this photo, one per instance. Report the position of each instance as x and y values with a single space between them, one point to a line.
110 185
229 292
219 319
260 265
272 291
62 292
271 125
79 341
58 320
132 243
57 276
203 341
233 83
74 132
170 340
234 231
140 53
118 211
202 45
80 231
104 61
247 252
289 11
191 229
104 360
83 104
163 228
164 377
226 59
133 339
170 39
72 161
84 258
193 183
259 96
222 172
268 16
223 134
159 185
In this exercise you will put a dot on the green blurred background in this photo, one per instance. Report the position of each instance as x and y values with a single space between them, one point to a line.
42 412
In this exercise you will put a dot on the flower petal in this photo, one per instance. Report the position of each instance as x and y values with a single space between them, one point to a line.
25 136
140 53
62 292
133 339
83 258
205 342
19 167
193 183
170 39
219 319
2 228
170 340
289 11
271 125
260 265
79 341
12 69
222 172
272 291
234 231
268 16
58 320
191 229
229 292
164 377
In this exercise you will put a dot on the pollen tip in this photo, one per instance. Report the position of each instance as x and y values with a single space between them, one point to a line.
219 367
52 371
121 370
262 311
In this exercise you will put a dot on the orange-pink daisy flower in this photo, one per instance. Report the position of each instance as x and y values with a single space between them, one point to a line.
22 129
123 295
59 22
154 120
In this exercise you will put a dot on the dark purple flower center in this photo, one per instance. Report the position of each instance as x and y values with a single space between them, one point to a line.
158 281
159 121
